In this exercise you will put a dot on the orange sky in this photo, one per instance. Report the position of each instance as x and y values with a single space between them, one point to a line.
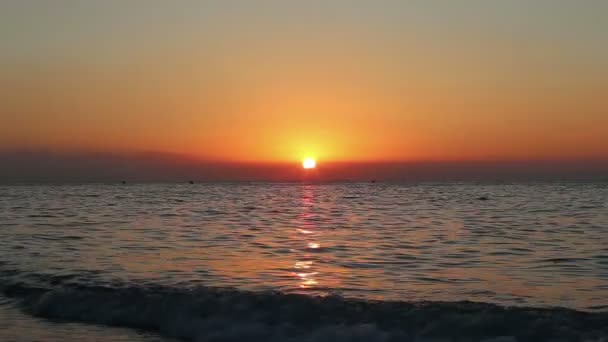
346 81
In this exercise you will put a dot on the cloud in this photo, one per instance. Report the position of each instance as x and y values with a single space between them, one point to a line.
44 166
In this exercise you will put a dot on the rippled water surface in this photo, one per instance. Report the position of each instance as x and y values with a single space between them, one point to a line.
527 244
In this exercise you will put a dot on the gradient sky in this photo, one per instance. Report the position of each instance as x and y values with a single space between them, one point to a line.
280 80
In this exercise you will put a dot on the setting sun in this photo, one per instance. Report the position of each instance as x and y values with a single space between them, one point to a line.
309 163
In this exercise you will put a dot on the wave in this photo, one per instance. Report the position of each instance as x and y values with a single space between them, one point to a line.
219 314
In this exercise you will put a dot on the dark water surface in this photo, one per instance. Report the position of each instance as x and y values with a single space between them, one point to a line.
127 255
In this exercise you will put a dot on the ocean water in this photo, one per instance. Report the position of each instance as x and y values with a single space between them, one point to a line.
304 262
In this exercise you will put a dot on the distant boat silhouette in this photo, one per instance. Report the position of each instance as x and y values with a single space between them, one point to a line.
124 182
483 198
373 181
191 182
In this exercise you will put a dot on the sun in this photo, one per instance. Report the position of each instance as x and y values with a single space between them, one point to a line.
309 163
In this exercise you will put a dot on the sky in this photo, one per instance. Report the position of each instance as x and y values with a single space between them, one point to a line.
276 81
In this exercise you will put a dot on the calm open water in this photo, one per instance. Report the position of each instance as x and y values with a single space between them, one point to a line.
140 255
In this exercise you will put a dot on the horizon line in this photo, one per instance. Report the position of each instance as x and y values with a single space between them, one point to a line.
320 161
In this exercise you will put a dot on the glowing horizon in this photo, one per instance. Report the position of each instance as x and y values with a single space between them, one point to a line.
343 81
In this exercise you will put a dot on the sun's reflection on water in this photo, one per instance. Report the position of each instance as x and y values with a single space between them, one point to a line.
306 273
313 245
303 264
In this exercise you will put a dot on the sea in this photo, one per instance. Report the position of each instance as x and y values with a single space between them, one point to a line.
304 262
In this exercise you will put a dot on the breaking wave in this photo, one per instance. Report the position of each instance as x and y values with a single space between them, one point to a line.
219 314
